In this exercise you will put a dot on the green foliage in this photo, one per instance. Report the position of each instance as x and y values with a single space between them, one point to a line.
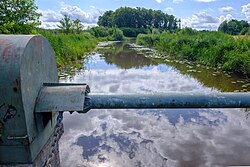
138 18
69 26
18 16
106 19
71 47
77 26
234 27
108 33
248 32
117 34
210 48
66 24
100 31
148 40
187 31
133 32
155 31
245 31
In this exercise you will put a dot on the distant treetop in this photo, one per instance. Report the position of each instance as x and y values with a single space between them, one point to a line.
138 18
235 27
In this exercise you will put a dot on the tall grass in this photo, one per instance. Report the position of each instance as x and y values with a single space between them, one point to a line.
210 48
70 47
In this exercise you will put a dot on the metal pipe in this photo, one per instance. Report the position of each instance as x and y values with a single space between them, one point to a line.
170 100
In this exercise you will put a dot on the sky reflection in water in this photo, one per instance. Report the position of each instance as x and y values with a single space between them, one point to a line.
166 137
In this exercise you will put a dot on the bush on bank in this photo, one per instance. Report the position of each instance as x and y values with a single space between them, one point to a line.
210 48
70 47
105 33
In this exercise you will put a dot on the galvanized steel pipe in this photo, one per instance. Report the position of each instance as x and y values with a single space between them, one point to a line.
170 100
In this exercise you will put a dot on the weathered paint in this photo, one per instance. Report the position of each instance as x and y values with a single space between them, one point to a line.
61 97
26 62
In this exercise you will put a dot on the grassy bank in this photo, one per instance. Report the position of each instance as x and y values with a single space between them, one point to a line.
69 48
214 49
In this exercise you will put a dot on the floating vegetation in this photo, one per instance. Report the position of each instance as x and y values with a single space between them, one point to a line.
188 66
239 81
167 60
244 86
248 84
133 45
191 70
105 44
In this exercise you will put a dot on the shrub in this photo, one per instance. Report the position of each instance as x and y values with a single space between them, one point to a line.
211 48
70 47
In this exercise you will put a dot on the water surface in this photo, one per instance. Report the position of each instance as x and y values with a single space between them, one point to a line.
165 137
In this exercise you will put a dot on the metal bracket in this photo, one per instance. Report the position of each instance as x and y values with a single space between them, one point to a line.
54 97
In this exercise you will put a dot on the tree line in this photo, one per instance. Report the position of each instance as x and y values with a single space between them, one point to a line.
138 18
22 17
235 27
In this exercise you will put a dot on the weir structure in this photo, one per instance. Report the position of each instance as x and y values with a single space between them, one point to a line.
32 101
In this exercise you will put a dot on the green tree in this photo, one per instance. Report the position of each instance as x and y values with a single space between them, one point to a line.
138 18
66 24
118 34
77 26
18 16
233 27
106 19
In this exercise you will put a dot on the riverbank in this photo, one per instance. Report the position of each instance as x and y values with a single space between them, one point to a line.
213 49
69 48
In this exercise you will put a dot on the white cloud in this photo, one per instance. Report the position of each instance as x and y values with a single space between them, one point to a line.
228 17
50 16
200 21
246 11
226 9
169 10
204 20
177 1
159 1
76 13
49 25
50 19
206 1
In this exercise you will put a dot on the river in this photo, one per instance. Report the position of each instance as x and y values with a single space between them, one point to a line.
153 137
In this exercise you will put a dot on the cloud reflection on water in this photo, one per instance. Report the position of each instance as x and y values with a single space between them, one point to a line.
187 137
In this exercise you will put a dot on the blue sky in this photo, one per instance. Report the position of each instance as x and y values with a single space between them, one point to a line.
198 14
